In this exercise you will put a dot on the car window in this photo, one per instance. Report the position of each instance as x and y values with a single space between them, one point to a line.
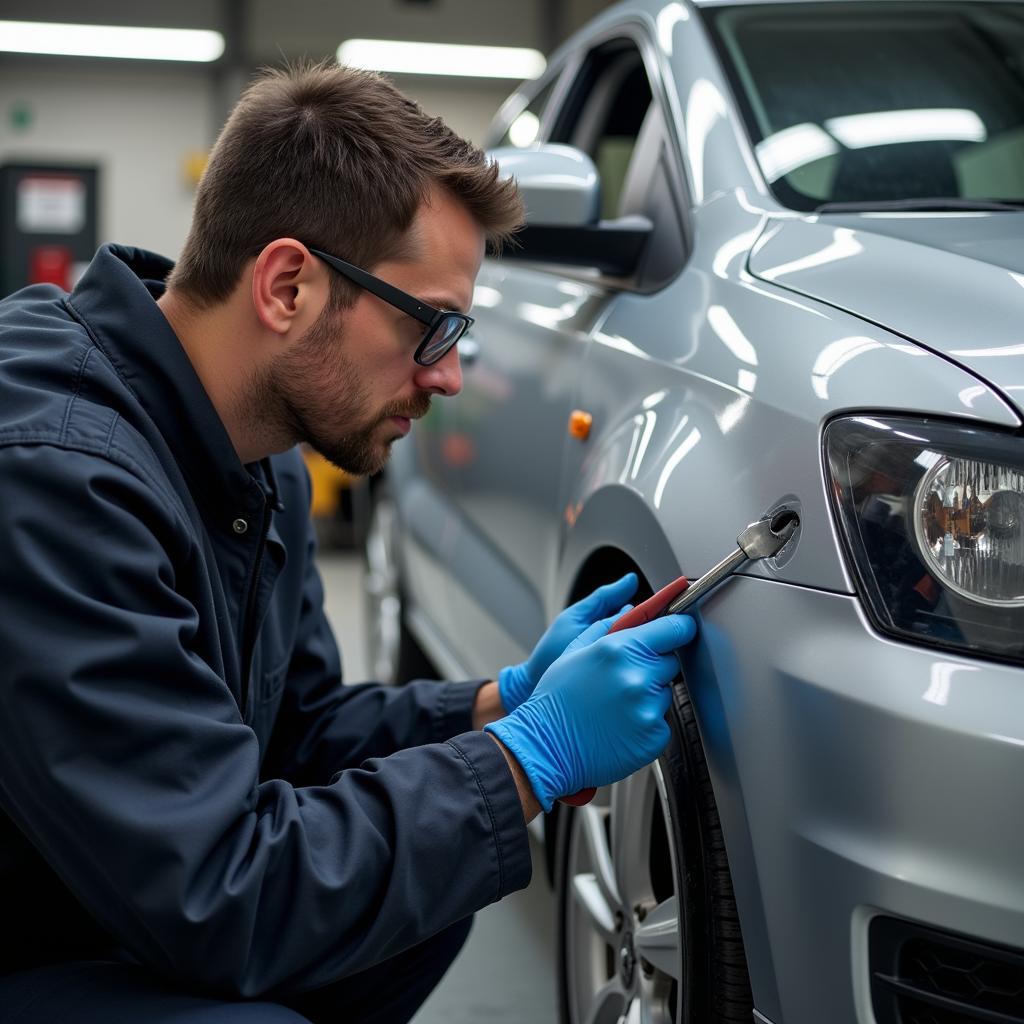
603 115
610 112
524 128
862 102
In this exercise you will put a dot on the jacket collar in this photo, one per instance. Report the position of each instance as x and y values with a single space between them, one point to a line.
116 299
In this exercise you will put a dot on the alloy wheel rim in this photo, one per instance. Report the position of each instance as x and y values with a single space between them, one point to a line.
383 596
623 947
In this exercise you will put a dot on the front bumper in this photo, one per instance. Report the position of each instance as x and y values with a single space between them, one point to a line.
855 776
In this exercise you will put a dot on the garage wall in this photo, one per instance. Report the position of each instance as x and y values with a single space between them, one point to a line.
139 125
136 124
140 122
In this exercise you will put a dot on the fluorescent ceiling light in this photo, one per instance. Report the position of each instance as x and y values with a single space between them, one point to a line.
110 41
441 59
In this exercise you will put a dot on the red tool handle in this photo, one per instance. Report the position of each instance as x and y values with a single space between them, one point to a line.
644 612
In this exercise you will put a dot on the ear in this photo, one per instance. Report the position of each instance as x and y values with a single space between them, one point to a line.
289 286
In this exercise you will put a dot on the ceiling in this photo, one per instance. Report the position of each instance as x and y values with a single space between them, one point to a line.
261 31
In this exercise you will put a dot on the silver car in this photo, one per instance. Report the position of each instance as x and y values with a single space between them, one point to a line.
774 259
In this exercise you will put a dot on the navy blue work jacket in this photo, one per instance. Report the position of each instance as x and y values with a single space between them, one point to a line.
183 778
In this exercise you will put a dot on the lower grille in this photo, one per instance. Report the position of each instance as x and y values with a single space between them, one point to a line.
917 1013
923 976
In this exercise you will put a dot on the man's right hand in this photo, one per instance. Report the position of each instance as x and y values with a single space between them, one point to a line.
597 715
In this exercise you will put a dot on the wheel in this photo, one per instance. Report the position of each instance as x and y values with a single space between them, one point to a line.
648 929
393 654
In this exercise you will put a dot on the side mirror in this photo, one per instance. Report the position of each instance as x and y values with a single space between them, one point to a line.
561 190
559 184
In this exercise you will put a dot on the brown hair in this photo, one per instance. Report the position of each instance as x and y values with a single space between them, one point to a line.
339 159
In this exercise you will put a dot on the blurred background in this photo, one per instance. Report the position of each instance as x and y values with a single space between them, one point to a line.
145 126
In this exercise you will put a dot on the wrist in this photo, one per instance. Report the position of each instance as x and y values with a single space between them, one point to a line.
487 706
527 798
525 735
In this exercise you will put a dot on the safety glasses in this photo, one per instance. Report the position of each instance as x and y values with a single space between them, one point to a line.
443 329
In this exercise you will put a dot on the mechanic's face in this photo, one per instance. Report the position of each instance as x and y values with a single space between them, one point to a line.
351 386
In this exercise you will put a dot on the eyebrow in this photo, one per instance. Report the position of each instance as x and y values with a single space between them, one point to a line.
447 303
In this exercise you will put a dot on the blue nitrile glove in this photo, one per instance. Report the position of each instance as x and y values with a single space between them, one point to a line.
598 714
516 682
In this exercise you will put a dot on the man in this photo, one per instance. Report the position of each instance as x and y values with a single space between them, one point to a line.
199 823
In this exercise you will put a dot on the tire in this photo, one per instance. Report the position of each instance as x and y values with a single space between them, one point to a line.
664 945
393 654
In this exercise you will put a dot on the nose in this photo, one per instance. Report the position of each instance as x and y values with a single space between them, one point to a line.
443 377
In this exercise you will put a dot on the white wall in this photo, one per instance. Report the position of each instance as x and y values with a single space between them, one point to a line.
467 109
139 125
135 124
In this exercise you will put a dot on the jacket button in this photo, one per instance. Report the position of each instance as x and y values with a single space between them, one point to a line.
239 526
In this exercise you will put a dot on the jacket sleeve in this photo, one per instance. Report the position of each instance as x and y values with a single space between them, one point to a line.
125 762
323 726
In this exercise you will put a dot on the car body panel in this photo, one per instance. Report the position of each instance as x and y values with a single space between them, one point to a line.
742 372
881 265
429 521
828 764
515 405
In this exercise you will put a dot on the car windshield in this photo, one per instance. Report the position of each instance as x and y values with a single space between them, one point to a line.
877 104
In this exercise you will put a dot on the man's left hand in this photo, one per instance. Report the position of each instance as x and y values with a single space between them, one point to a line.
516 682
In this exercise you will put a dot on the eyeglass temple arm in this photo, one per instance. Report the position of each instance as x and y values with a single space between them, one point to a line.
389 293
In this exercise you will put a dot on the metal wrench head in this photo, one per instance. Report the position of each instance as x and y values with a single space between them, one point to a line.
768 537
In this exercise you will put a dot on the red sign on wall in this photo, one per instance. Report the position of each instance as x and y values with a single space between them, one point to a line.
51 264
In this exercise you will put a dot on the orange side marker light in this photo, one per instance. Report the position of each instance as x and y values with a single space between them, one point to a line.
579 424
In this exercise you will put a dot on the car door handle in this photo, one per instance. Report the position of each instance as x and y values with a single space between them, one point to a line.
469 350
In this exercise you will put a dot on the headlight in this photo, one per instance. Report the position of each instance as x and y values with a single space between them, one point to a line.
932 515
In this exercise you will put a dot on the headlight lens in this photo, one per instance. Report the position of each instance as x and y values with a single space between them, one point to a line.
933 517
969 525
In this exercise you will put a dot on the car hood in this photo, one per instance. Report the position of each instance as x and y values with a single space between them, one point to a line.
951 283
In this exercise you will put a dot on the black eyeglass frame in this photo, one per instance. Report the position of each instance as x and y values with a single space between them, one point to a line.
408 304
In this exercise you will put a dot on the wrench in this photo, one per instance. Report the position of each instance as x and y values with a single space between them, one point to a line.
762 539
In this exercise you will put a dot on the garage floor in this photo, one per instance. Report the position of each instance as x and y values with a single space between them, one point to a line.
505 973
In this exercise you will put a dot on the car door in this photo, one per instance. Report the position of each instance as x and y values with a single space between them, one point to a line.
534 326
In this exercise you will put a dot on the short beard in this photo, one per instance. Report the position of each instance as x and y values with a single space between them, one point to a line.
292 393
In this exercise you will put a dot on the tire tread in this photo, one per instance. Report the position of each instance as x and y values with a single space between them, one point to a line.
730 997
